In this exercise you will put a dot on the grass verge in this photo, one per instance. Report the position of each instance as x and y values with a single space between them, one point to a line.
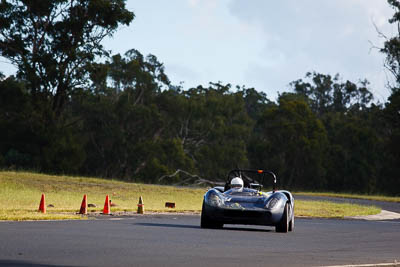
20 194
355 196
326 209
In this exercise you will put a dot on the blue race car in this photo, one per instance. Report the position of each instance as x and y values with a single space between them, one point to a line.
241 201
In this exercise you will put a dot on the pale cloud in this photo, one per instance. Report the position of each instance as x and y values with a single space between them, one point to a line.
193 3
207 4
324 36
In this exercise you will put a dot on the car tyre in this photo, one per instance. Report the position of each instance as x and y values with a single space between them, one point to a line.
207 222
283 225
291 224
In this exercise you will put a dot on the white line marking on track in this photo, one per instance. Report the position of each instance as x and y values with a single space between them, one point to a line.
396 222
395 263
384 215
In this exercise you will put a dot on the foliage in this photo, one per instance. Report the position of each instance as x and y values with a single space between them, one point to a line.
391 46
291 141
66 111
327 94
391 157
391 114
125 126
51 42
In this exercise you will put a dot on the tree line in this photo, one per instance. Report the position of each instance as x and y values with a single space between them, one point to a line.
65 111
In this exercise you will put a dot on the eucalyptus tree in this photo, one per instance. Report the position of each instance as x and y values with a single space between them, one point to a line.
52 41
122 119
391 49
391 46
292 141
329 94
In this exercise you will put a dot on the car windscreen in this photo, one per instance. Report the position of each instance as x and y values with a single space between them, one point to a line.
242 192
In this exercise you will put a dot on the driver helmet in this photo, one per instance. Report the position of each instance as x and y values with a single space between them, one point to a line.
237 182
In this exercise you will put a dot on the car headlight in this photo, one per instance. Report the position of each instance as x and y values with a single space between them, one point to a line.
214 200
272 203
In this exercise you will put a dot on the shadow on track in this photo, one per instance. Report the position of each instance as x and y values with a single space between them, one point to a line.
18 263
198 227
246 229
169 225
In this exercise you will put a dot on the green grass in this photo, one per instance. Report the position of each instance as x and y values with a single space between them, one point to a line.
326 209
20 194
355 196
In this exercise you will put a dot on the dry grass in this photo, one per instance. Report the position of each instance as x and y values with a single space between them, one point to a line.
20 194
30 215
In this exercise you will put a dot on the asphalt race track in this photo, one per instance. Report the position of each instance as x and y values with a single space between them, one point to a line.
176 240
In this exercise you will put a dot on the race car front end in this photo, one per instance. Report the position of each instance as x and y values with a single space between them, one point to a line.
250 207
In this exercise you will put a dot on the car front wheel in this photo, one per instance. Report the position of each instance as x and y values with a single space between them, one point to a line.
283 225
291 224
207 222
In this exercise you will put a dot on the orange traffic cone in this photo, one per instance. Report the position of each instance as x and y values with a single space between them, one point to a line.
106 209
140 206
83 209
42 205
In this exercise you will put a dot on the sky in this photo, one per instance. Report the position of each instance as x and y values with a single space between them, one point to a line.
262 44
